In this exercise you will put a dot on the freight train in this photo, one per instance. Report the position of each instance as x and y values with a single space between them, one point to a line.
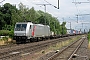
28 32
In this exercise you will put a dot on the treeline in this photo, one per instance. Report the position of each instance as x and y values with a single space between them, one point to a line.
9 15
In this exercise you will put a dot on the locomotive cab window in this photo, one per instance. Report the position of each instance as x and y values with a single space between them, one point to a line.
24 26
20 27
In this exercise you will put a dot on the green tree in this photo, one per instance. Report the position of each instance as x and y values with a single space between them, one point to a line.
9 15
64 30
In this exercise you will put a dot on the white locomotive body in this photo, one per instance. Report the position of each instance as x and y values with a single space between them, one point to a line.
27 30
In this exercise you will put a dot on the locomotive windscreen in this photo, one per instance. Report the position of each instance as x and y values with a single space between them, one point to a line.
20 27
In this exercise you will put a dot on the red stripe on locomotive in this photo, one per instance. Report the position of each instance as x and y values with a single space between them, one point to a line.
33 31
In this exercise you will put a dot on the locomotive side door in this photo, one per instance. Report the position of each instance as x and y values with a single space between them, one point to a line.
30 31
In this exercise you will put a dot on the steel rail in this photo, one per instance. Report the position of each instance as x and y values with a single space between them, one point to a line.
76 50
55 55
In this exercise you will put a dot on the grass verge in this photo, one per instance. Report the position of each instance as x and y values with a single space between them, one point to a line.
89 40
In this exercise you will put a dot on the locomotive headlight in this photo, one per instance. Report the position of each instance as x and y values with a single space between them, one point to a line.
15 34
24 34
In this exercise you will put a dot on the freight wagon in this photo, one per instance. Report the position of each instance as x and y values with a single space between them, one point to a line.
70 31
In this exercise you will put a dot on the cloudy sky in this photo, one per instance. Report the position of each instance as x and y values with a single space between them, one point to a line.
67 10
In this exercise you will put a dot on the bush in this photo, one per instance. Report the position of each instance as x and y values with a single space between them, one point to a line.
5 38
89 36
4 32
11 33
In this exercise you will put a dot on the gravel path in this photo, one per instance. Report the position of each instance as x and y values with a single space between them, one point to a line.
88 53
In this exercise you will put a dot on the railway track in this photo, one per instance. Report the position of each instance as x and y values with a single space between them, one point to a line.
13 45
81 54
17 51
6 46
69 52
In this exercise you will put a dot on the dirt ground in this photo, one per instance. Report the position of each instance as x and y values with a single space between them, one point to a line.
89 51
